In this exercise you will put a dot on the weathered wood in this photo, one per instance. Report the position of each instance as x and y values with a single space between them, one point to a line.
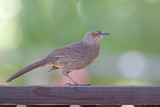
147 105
8 105
69 105
88 95
47 105
88 106
100 105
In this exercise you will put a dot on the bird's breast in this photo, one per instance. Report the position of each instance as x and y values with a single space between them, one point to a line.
91 55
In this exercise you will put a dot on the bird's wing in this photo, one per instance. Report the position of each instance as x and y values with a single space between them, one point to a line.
69 51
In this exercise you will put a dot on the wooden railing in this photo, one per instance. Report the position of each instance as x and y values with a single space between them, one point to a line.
87 96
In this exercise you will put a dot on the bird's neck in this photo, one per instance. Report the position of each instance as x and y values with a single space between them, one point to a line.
95 43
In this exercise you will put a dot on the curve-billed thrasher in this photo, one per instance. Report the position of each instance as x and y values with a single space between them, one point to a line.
74 56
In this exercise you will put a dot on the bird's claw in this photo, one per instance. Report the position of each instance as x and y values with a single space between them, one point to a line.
84 85
69 84
76 84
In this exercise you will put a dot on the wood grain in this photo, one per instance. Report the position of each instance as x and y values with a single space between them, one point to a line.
90 95
47 105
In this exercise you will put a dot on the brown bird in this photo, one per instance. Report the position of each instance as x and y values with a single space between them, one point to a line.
74 56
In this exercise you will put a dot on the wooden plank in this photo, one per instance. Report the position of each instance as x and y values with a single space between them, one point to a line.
147 105
100 105
8 105
47 105
69 105
87 95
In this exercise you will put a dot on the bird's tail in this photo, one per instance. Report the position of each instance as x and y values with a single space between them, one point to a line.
28 68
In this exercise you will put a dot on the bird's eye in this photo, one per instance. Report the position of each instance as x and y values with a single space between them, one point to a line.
93 34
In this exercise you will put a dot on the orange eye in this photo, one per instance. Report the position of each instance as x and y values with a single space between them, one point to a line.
93 34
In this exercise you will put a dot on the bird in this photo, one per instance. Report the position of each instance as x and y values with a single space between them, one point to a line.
75 56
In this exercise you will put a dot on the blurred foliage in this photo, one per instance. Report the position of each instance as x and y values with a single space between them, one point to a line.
132 24
40 26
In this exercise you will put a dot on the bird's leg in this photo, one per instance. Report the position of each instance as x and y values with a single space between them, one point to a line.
74 83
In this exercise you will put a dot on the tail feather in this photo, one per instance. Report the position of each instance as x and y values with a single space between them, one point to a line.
28 68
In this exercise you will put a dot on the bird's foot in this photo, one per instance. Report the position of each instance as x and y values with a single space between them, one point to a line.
84 84
76 84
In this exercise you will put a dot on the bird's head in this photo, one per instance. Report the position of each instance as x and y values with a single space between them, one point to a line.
94 36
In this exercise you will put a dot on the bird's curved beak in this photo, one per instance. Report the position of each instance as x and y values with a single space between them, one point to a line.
104 33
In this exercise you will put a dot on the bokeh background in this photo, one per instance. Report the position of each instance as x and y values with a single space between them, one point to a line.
31 29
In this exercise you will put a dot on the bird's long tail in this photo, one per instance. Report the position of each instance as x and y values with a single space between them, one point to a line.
28 68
